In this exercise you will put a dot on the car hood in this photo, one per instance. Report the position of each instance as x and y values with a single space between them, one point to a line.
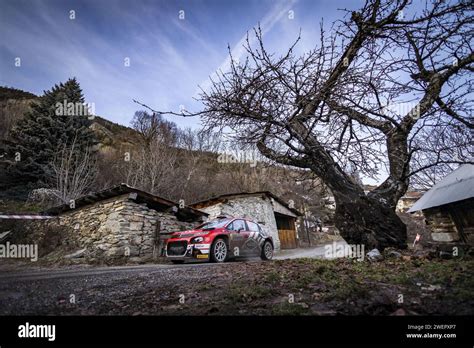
190 233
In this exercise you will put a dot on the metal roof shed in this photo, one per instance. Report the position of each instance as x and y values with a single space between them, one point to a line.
457 186
449 207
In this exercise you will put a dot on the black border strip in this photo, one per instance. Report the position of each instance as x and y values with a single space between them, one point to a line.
191 330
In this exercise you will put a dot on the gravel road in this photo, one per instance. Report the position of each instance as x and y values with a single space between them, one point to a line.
130 290
110 290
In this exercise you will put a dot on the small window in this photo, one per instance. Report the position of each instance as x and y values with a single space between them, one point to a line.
237 225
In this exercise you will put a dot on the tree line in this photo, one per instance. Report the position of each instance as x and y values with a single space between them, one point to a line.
52 158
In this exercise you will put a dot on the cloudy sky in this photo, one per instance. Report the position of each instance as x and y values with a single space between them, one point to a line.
169 56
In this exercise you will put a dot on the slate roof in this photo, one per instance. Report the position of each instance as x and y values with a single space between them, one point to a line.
213 200
140 196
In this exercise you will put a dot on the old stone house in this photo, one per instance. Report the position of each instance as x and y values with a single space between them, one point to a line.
276 217
408 200
448 208
123 222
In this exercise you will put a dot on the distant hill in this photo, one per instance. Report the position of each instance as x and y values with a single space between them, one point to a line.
112 134
14 103
13 93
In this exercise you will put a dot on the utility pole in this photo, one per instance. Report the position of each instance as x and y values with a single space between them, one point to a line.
305 223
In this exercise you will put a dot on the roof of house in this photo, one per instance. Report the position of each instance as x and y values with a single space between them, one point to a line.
456 186
214 200
152 201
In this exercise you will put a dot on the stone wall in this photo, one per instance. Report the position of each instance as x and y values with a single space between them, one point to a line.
120 228
443 229
405 203
253 208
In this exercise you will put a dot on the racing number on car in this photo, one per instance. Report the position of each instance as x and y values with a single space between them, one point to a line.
236 251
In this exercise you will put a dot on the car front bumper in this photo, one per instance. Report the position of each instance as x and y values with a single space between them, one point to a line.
182 249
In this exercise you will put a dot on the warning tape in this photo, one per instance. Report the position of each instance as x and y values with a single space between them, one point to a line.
26 217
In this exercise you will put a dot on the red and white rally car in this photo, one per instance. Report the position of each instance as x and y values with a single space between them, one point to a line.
219 240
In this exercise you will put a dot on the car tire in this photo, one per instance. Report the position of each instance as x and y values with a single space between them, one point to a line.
267 251
177 262
219 251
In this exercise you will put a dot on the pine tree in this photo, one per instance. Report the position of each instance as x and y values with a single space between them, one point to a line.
45 131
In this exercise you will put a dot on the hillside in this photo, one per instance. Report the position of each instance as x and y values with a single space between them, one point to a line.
173 170
14 103
7 93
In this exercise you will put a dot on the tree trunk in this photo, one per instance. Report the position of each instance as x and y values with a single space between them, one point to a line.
368 219
395 186
363 220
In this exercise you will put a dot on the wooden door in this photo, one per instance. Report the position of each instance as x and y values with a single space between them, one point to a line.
287 239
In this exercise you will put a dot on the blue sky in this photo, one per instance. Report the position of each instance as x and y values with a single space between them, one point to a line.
169 57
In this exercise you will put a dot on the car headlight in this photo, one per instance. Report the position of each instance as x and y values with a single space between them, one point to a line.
197 240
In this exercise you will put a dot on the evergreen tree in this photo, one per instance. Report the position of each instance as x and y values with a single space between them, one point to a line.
57 120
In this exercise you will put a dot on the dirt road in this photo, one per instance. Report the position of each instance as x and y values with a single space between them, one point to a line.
293 286
106 290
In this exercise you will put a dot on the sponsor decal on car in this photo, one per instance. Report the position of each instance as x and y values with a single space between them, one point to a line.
202 246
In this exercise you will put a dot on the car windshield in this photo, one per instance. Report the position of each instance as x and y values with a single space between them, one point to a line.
217 223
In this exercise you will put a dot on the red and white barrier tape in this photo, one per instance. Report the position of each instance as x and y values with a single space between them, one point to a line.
26 217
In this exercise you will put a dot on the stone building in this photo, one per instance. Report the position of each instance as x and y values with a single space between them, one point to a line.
408 200
123 222
448 208
276 217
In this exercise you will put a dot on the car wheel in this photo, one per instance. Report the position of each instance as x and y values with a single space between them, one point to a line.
267 251
219 250
177 262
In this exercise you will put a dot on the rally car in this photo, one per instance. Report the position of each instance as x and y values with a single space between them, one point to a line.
219 240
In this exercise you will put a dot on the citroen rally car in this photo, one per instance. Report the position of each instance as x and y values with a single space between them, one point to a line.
219 240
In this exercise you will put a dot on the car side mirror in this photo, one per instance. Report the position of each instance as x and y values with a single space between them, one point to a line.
240 229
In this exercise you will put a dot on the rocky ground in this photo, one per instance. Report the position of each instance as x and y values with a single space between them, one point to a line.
394 286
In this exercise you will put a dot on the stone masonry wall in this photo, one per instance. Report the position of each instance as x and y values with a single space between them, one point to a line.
119 227
443 229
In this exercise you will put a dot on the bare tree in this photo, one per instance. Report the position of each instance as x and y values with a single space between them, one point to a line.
194 146
11 111
150 164
152 127
73 172
151 168
388 90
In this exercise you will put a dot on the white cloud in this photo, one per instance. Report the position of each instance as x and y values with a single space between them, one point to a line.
278 11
